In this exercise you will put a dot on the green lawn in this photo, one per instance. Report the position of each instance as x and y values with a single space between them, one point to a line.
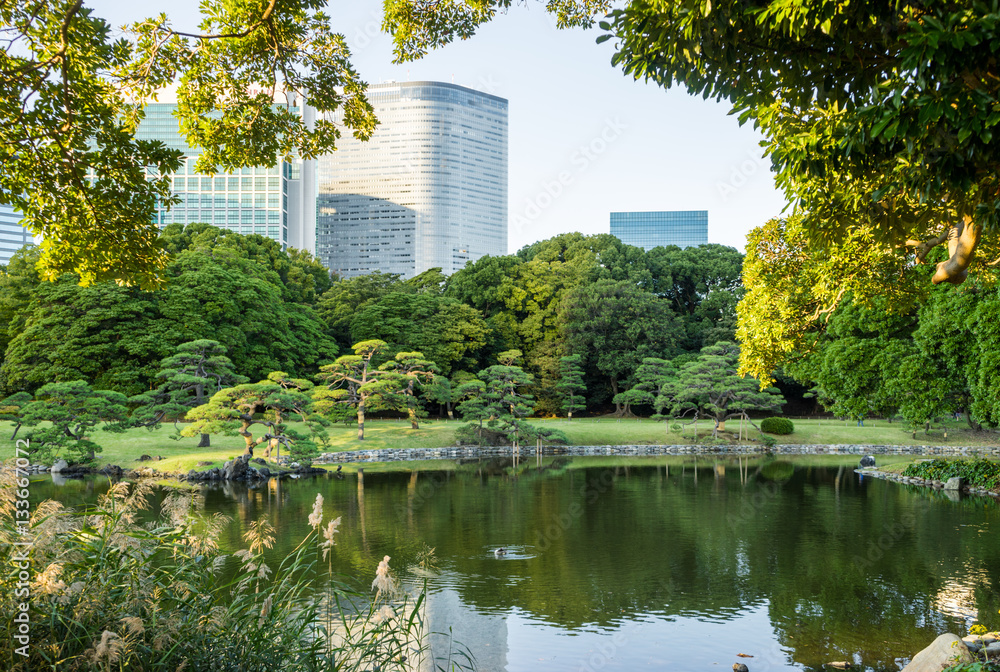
182 455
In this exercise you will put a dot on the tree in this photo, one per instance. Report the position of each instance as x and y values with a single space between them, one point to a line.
710 386
446 331
11 409
73 96
198 369
619 325
571 384
880 121
268 403
408 369
500 401
650 377
70 413
351 380
106 334
338 305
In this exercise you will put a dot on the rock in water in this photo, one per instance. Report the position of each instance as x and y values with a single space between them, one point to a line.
740 667
867 461
955 483
60 465
945 651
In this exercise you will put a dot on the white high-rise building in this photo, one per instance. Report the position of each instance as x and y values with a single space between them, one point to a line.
428 190
13 236
278 202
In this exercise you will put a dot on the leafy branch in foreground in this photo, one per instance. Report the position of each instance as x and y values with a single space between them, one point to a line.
72 94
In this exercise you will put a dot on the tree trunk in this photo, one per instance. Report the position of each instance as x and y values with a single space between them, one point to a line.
361 421
569 416
614 393
927 427
413 418
451 413
205 442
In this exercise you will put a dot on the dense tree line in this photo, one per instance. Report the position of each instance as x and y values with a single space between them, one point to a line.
610 304
921 360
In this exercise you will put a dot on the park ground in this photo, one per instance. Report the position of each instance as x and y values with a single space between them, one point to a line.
183 455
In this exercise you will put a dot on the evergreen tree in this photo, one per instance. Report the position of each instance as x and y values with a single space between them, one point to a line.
190 376
570 387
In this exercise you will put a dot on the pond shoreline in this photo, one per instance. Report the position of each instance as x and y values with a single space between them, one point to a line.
925 482
471 452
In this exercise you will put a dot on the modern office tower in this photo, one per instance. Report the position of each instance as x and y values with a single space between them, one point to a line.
683 228
13 236
278 202
428 190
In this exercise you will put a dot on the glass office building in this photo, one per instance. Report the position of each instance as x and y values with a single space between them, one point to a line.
13 236
276 202
683 228
428 190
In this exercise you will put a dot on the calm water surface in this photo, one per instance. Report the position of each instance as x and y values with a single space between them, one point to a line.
665 564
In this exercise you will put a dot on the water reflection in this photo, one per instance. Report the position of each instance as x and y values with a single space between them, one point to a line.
613 564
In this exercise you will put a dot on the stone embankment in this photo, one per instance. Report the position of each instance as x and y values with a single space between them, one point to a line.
955 485
473 452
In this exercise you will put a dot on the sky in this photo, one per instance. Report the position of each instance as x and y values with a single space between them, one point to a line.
584 139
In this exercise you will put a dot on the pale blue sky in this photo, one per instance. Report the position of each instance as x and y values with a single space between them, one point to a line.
584 139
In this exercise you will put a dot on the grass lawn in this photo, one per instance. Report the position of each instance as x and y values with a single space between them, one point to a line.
125 449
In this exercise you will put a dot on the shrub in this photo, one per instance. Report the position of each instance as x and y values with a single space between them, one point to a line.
981 472
777 426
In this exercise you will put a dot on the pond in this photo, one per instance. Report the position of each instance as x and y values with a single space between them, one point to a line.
667 563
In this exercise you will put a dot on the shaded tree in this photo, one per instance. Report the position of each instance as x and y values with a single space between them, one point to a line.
196 371
710 386
571 386
63 417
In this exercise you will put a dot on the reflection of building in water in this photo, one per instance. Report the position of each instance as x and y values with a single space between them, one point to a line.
485 635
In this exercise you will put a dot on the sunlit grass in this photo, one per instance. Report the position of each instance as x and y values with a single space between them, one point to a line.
183 455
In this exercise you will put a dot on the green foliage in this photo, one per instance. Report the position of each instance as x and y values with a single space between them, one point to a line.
619 325
198 369
269 404
777 425
710 386
447 331
63 417
571 384
978 666
650 377
981 472
223 286
71 161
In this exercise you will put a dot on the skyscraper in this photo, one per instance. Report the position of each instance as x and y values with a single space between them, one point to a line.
276 202
13 236
428 190
683 228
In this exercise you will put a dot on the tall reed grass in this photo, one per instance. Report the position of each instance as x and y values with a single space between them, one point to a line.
108 592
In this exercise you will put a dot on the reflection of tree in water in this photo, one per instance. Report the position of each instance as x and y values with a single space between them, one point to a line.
844 567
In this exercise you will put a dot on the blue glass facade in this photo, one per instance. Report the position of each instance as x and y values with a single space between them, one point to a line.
13 236
277 202
683 228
